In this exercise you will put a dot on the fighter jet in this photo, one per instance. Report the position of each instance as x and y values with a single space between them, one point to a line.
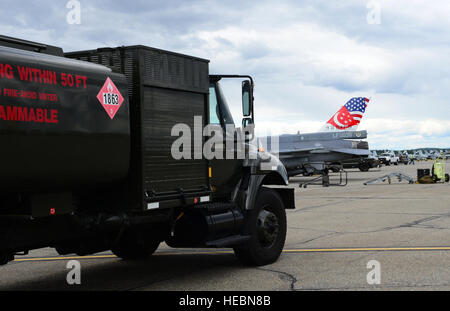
337 140
420 155
433 154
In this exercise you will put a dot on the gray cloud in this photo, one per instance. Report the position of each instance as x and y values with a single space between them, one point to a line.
308 57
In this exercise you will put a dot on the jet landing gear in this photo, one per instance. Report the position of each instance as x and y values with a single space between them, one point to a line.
324 180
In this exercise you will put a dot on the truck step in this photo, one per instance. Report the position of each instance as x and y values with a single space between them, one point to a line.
218 206
230 241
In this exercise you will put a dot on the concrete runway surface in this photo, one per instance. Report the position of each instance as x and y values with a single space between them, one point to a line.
332 236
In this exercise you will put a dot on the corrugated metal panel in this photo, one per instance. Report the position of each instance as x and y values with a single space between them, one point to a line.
162 109
174 71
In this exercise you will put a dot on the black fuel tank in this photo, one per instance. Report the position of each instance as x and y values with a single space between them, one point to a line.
64 123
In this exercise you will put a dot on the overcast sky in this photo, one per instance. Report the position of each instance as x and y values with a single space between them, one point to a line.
307 57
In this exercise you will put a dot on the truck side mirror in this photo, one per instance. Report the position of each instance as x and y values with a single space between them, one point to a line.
247 98
247 122
248 128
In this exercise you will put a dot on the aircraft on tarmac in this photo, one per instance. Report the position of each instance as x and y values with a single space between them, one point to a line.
337 140
420 155
433 154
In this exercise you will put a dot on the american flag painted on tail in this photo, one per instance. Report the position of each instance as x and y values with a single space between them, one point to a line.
349 116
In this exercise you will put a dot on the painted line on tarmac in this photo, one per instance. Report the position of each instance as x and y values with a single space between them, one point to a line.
312 250
367 249
63 258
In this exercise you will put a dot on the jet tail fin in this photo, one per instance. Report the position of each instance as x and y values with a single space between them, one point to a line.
348 117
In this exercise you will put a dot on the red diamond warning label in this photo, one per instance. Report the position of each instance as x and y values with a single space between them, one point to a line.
110 98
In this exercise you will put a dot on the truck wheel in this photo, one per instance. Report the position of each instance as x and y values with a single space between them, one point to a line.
133 246
364 167
266 225
396 163
447 178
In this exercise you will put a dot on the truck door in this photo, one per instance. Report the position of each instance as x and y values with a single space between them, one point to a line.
226 170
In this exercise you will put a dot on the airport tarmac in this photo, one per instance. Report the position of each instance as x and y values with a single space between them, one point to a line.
333 234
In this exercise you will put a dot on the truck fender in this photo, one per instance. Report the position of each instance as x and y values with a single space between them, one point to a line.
277 176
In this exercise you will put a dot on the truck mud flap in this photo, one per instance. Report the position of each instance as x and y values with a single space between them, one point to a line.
287 196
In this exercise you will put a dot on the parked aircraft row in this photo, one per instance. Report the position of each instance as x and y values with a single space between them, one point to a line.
419 154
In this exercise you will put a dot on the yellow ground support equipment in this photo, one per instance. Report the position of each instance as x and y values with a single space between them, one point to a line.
438 170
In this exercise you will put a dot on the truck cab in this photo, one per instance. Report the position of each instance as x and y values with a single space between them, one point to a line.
388 158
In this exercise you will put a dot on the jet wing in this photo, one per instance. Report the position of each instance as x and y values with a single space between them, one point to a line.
358 152
303 150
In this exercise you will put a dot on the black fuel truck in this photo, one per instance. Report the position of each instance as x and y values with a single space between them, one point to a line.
87 165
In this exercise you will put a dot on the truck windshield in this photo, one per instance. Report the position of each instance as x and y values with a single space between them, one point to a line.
218 107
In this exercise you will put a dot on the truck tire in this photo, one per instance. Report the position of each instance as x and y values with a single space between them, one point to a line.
266 226
396 163
364 167
133 246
